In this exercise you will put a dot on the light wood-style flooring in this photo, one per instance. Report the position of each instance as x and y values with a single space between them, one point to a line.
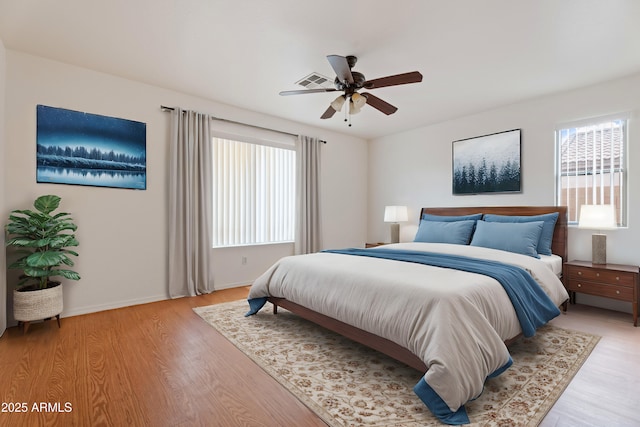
159 364
606 390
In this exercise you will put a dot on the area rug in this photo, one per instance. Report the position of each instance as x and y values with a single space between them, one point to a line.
347 384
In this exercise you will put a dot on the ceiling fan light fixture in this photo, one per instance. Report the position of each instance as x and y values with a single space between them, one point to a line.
353 108
358 100
338 103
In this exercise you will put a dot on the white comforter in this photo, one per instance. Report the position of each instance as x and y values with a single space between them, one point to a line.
455 321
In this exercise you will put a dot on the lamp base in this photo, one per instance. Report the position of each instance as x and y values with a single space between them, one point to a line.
395 232
599 249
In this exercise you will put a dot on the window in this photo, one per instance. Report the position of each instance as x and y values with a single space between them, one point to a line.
253 193
592 166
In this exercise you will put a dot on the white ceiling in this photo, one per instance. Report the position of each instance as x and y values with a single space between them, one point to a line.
474 54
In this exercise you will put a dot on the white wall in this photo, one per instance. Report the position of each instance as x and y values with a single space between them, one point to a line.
3 275
414 168
123 233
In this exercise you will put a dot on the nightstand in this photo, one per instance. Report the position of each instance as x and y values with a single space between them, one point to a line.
615 281
373 245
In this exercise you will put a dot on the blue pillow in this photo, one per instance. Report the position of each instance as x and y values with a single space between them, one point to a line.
456 232
449 218
518 237
546 237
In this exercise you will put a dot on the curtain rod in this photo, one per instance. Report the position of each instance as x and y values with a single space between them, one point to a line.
164 108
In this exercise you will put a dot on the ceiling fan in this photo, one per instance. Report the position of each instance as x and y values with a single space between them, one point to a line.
350 82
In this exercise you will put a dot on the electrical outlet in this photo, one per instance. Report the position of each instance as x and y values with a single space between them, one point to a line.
244 260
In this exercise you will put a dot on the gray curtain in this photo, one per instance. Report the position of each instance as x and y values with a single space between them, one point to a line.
190 192
308 156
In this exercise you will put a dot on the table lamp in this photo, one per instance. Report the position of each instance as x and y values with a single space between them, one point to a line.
598 217
394 215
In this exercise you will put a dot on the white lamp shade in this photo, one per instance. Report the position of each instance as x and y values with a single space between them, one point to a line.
358 100
395 214
597 217
338 103
353 108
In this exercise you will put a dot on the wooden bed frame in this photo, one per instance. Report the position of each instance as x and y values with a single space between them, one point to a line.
391 349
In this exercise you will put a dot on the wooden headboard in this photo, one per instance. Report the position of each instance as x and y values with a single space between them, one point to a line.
559 243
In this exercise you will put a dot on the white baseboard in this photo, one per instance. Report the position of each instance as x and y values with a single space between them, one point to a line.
102 307
231 285
77 311
110 306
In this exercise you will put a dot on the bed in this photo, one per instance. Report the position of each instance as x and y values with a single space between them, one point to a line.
452 325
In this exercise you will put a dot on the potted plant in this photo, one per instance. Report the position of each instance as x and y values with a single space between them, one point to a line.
42 239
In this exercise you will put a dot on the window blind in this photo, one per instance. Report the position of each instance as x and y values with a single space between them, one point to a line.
254 193
592 166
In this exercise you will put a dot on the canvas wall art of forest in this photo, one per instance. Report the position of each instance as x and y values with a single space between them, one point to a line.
90 149
487 164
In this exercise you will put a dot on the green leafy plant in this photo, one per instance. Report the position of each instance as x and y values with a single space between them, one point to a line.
42 239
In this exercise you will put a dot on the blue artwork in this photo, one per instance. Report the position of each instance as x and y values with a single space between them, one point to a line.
89 149
487 164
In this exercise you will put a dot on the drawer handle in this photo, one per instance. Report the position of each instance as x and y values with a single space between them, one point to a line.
579 285
617 278
579 273
597 274
618 292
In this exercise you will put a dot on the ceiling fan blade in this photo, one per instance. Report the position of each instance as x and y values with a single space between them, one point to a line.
328 113
300 92
341 67
379 104
398 79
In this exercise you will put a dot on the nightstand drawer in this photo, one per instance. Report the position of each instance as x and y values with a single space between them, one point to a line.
623 293
595 275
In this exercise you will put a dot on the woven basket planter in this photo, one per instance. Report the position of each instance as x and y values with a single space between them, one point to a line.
37 305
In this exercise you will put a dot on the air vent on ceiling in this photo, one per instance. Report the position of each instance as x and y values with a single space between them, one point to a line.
316 81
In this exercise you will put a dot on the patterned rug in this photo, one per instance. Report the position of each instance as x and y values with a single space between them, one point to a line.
347 384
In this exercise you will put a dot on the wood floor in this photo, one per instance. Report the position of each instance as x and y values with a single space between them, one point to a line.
159 364
606 390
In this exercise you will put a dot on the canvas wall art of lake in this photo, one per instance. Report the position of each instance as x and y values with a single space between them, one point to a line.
90 149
